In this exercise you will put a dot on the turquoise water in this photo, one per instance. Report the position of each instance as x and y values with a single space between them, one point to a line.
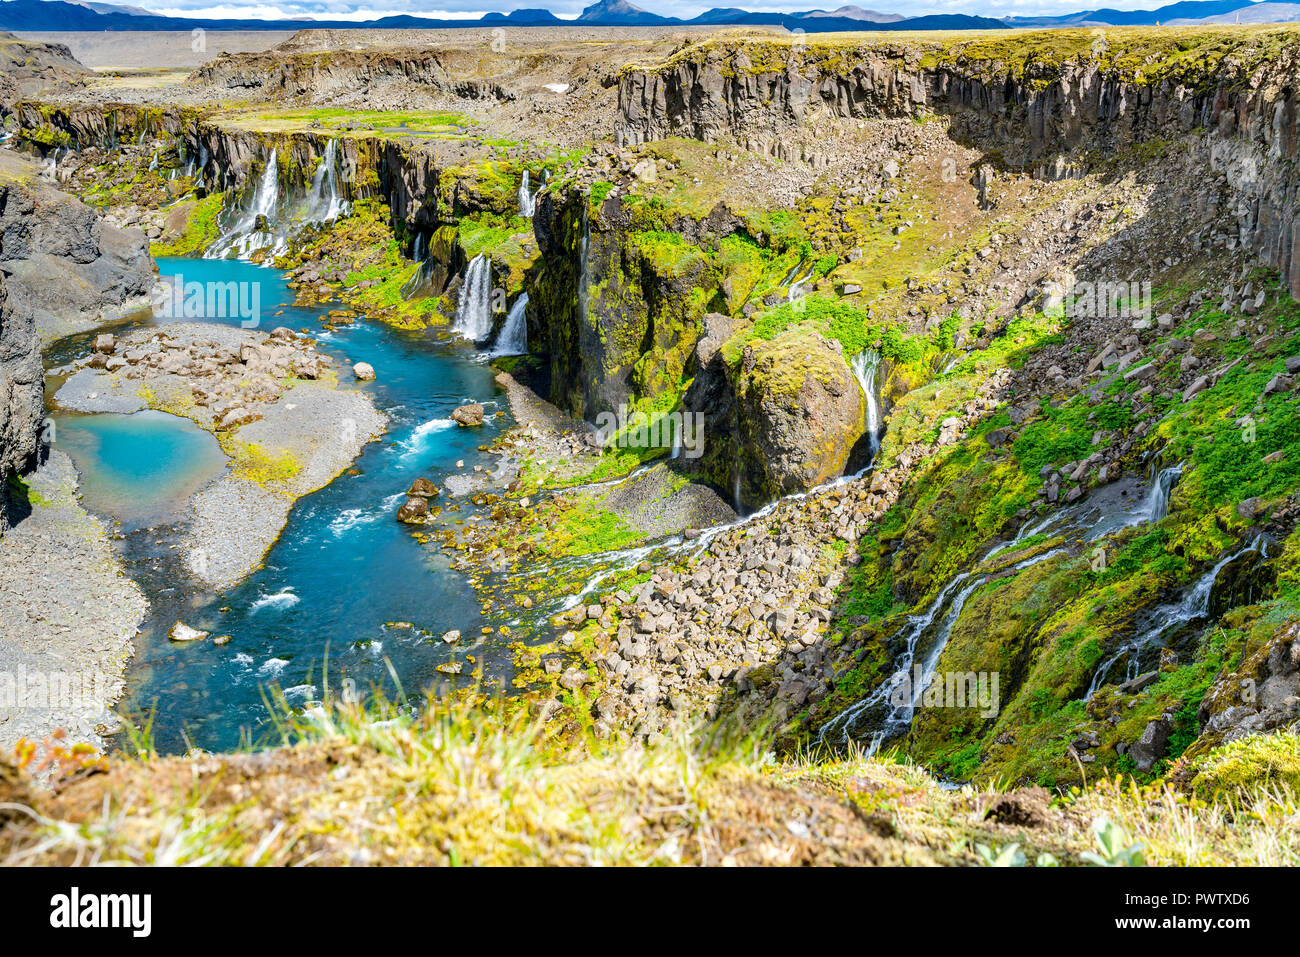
138 469
342 569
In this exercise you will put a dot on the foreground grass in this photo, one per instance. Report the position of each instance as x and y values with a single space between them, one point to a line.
459 785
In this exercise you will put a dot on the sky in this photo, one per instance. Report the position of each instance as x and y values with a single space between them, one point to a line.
473 9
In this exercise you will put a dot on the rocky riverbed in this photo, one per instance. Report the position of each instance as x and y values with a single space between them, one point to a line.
273 400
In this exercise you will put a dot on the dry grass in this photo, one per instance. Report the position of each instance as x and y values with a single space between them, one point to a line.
459 785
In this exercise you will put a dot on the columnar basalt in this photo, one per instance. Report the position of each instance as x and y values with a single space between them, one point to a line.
1049 112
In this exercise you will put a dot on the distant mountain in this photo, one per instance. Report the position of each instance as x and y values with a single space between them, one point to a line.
93 15
523 18
1185 9
113 8
719 15
853 13
1258 13
620 13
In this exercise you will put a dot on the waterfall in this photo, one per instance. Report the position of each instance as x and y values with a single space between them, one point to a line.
269 219
153 163
244 237
325 202
1193 606
912 676
421 281
267 197
866 366
527 203
1158 497
795 290
513 338
583 279
474 307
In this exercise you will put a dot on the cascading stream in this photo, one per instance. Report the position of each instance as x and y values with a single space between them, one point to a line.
513 338
866 368
1083 523
1193 606
1161 489
527 201
898 695
474 305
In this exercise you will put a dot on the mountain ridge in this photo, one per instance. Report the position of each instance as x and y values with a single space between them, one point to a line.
90 15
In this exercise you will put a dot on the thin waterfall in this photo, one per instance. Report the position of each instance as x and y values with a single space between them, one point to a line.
325 202
583 278
252 229
421 281
527 202
795 289
513 338
896 698
866 368
1193 606
1161 489
474 306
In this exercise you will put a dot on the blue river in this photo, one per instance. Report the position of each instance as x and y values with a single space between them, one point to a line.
344 580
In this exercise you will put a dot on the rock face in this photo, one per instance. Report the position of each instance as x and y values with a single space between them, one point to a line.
622 316
22 391
303 74
28 67
1262 695
64 266
1238 113
790 413
61 268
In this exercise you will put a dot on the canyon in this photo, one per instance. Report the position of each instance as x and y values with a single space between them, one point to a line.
989 343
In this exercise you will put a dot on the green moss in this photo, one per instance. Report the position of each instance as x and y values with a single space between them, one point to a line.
1240 770
201 229
249 460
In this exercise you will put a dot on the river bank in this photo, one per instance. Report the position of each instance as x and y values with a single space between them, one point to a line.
68 614
273 401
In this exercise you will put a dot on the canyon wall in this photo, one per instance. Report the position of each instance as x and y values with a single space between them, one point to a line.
1049 116
62 269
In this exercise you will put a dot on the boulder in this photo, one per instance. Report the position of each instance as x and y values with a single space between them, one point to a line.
414 511
181 632
364 371
468 415
1152 745
791 414
422 488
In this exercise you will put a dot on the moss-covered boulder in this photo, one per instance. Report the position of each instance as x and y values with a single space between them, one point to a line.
799 412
